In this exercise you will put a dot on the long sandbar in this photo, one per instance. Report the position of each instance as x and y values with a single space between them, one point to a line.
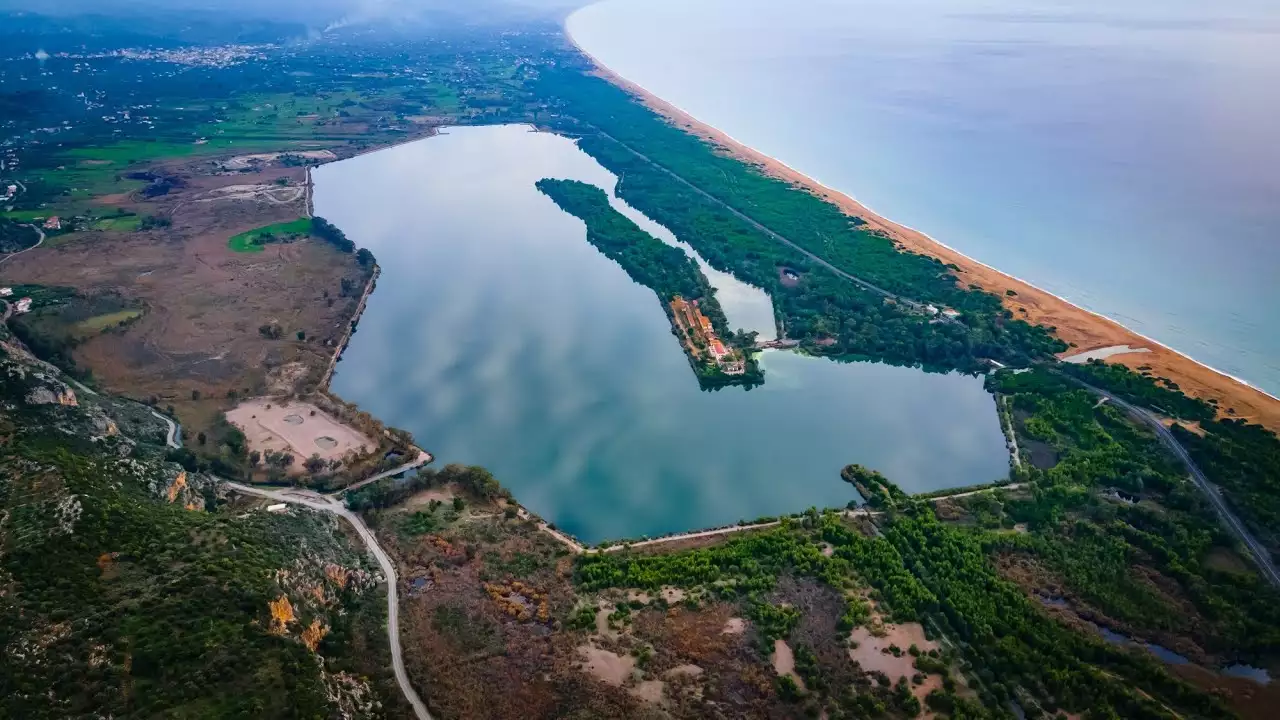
1084 329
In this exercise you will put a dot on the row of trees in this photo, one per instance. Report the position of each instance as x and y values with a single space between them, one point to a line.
834 315
333 235
666 270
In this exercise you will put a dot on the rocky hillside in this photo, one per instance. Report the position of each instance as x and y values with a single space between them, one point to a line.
131 588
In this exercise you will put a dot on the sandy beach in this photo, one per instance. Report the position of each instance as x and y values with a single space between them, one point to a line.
1082 329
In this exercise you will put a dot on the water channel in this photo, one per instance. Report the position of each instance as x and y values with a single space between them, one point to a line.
498 336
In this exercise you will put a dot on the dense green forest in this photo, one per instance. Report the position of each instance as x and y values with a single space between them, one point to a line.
128 589
1120 525
1241 458
666 270
830 313
647 260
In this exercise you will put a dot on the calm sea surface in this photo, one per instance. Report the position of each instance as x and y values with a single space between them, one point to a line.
500 337
1123 155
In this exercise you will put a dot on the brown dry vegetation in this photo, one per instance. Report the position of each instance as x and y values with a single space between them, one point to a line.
203 303
474 641
478 642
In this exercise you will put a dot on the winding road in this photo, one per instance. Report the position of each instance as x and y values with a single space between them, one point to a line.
172 438
335 506
33 247
1261 557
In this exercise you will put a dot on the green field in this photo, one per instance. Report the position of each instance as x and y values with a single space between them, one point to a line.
252 241
118 223
98 323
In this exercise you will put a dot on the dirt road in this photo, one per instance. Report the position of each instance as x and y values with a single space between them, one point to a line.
332 505
423 458
579 548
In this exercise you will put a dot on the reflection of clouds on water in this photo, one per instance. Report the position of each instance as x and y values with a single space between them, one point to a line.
500 337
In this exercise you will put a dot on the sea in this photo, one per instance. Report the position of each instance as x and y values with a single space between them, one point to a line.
1125 156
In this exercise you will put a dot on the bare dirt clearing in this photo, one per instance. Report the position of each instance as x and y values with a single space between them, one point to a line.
296 427
608 666
248 162
890 653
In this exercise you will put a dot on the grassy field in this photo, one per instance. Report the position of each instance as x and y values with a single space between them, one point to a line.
252 241
118 223
98 323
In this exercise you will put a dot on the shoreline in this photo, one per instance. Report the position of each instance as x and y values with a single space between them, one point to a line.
1083 329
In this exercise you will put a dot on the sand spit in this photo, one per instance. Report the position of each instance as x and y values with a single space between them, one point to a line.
1083 329
1102 354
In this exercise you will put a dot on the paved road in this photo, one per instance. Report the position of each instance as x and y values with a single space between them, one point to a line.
172 439
914 304
332 505
33 247
1261 557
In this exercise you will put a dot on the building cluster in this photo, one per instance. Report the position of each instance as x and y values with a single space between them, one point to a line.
20 307
691 318
220 56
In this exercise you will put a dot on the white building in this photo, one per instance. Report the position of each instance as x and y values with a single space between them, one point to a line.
277 508
6 291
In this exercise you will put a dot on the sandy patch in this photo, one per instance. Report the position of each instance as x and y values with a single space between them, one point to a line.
874 655
649 691
784 661
299 428
691 671
602 620
672 594
426 496
607 666
1081 358
1079 327
734 626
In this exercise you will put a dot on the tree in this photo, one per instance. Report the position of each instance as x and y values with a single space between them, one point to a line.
302 334
314 464
254 458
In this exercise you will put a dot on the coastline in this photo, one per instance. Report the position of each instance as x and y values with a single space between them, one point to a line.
1083 329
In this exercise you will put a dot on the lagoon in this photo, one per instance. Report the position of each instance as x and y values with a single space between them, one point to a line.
498 336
